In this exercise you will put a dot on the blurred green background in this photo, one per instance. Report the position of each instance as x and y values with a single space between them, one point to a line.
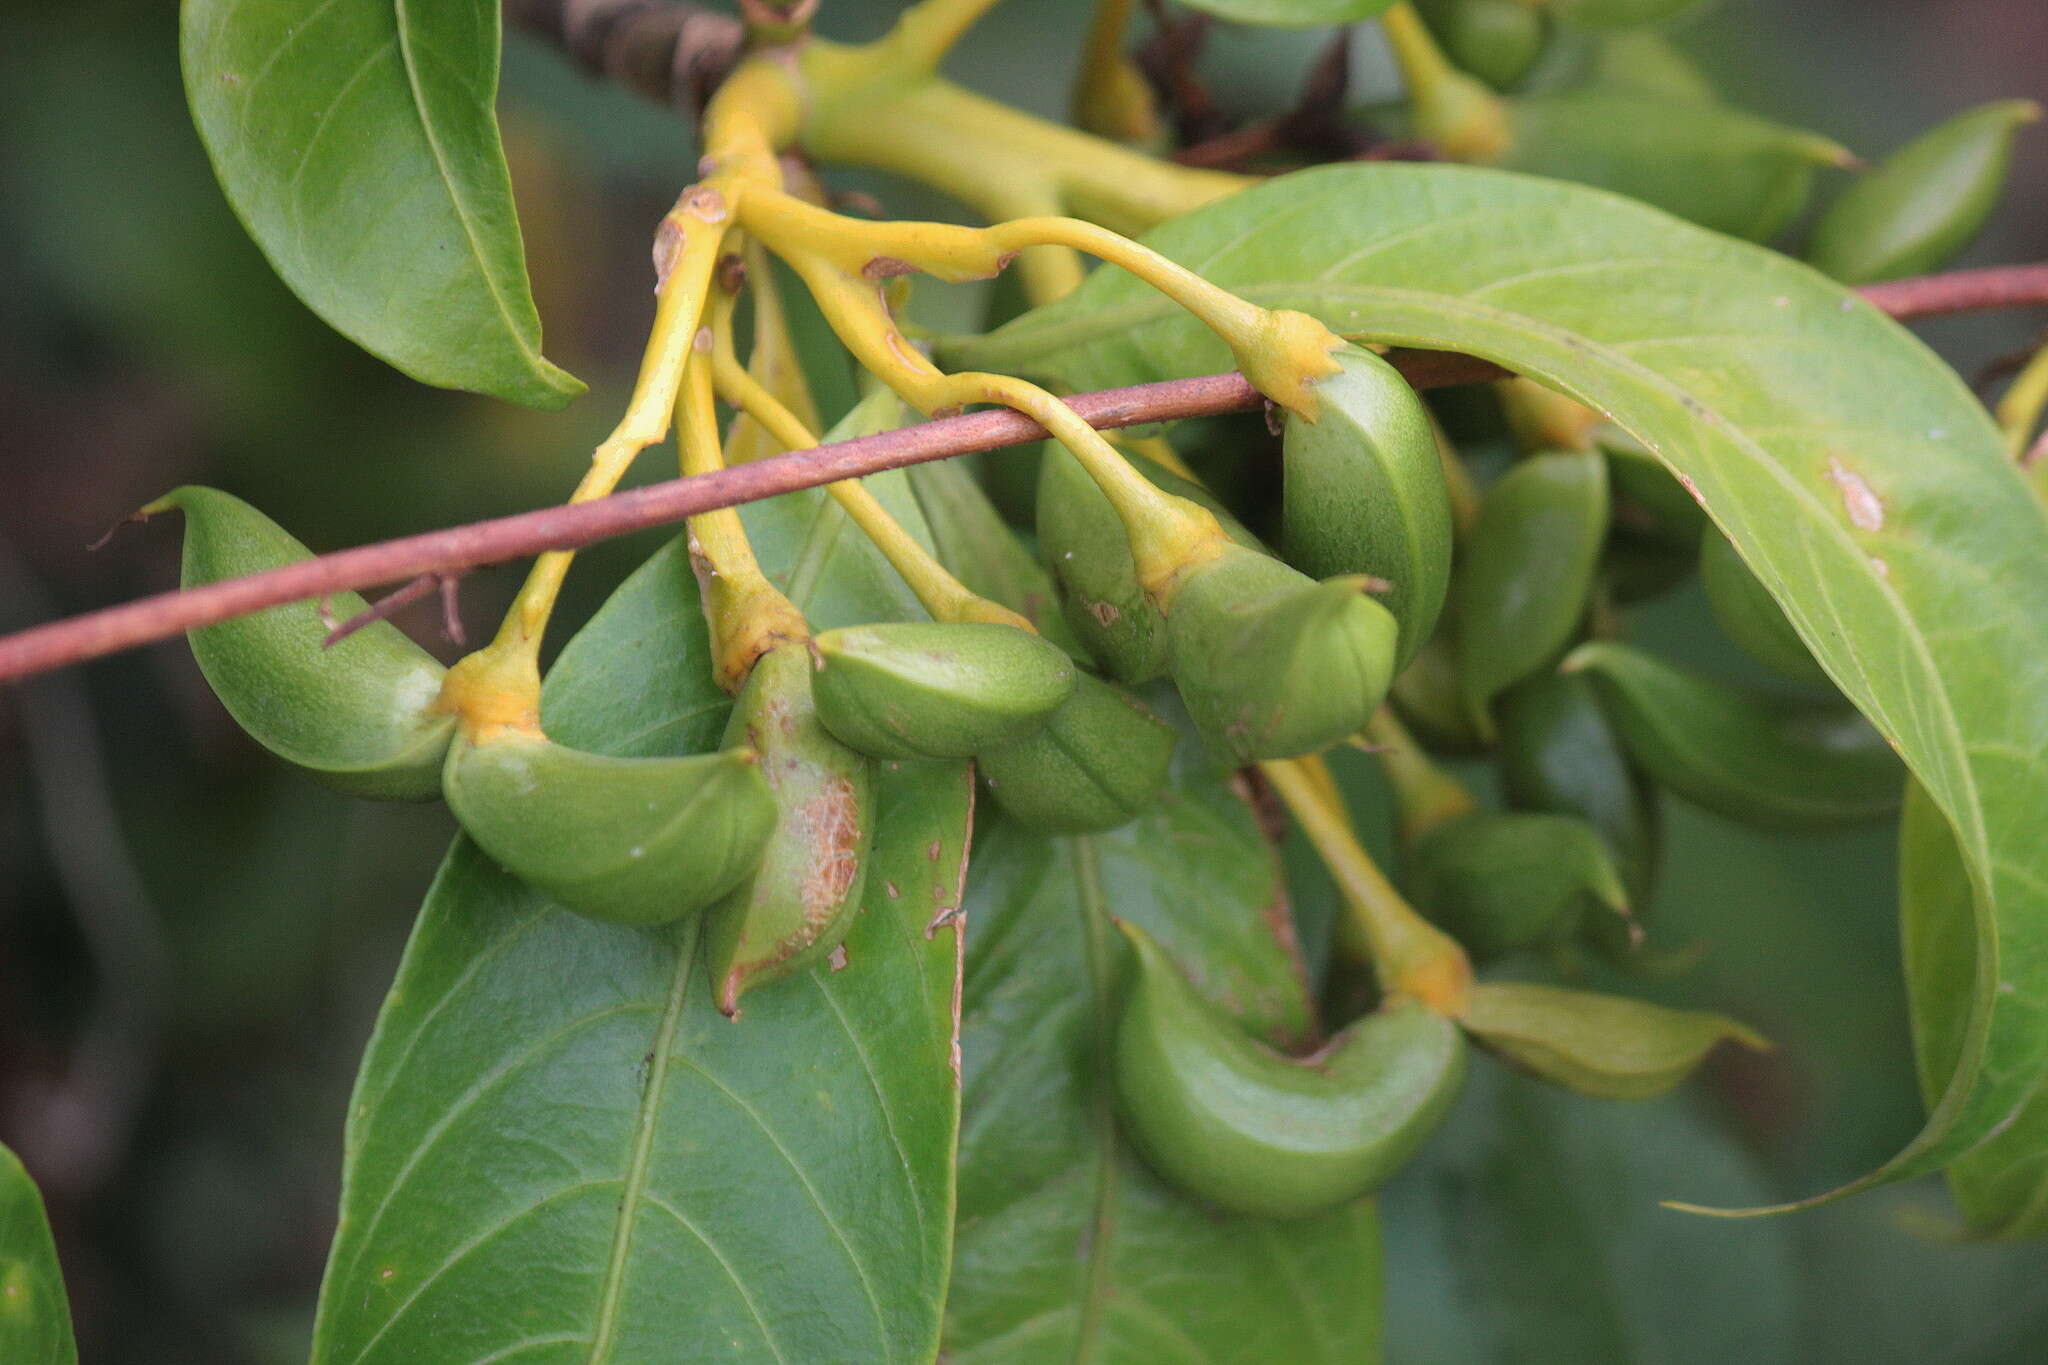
193 943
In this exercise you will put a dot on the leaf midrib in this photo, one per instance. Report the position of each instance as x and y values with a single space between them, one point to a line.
646 1121
1093 909
463 216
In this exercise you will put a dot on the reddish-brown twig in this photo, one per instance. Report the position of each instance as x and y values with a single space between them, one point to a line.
97 633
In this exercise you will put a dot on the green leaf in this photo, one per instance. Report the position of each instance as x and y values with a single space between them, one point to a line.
1529 1230
35 1319
358 142
2001 1185
559 1148
1069 1248
1855 473
1292 13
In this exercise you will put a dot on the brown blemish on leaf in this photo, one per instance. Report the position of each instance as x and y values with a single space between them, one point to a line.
1866 511
1104 612
837 960
887 268
931 851
891 888
668 245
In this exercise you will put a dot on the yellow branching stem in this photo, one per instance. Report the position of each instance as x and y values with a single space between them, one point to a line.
1425 796
1111 96
881 105
2024 403
943 595
1411 956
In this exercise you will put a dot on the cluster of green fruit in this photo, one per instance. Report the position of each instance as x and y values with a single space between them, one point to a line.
1393 582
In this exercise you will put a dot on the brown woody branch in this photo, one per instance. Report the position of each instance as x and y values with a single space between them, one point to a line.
94 634
458 548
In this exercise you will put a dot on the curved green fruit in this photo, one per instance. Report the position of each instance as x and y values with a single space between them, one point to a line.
1522 590
1764 761
1496 40
1499 883
1273 664
362 716
1719 167
806 888
1606 1046
971 538
1099 761
1365 493
929 690
1559 754
1749 615
1924 202
1084 541
1234 1123
1617 13
630 840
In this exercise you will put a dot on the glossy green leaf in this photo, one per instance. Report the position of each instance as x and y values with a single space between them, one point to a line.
558 1147
2001 1185
1856 474
1069 1249
35 1317
1529 1229
358 142
1292 13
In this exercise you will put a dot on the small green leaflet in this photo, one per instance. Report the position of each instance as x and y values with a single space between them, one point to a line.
35 1318
1860 479
358 142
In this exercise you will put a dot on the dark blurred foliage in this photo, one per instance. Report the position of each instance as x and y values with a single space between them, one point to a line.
193 943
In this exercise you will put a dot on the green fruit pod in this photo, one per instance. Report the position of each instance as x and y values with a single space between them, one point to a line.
1605 1046
1099 761
1251 1131
1084 541
972 540
1496 40
1560 755
928 690
806 888
1719 167
1365 493
627 840
1273 664
1765 761
1523 588
1500 883
1749 615
362 716
1922 204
